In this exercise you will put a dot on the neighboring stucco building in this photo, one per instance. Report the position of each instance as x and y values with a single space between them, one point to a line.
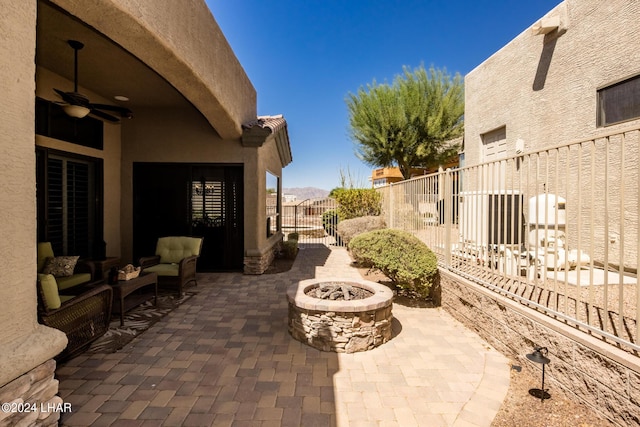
542 89
574 75
385 176
194 132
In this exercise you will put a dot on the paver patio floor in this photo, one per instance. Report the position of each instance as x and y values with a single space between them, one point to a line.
225 358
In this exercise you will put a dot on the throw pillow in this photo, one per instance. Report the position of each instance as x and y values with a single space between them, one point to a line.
60 266
49 291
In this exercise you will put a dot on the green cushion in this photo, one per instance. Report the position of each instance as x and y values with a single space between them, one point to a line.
44 251
71 281
164 269
50 291
176 248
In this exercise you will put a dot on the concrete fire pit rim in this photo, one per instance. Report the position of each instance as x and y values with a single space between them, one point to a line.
382 297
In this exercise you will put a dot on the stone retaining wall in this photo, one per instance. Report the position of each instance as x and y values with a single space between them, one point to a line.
599 374
31 399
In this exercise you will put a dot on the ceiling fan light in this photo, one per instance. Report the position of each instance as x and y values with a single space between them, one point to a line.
77 111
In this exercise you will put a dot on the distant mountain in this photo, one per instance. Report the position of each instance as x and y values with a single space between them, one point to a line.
305 192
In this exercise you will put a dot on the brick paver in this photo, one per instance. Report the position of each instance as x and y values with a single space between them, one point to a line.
225 358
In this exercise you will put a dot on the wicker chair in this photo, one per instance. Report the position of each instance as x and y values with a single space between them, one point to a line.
83 318
175 261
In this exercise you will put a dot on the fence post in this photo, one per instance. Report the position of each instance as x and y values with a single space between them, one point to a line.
448 215
391 205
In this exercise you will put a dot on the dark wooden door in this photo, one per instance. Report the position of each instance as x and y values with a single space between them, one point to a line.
217 215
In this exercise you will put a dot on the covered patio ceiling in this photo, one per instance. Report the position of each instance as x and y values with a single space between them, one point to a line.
103 66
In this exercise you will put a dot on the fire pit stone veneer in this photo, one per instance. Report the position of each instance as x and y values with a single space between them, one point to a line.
338 325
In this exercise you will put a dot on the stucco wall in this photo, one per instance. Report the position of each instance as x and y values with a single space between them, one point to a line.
181 41
23 343
543 88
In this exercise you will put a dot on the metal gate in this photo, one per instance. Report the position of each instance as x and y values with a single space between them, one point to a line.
315 220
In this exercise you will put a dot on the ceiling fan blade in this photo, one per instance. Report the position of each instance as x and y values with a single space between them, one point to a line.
123 111
65 97
104 116
73 98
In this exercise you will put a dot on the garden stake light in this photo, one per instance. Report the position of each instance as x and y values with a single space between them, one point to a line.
539 355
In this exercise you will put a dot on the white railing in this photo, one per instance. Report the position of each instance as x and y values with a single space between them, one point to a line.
556 229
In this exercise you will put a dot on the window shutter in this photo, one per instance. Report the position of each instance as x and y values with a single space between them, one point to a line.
55 205
78 208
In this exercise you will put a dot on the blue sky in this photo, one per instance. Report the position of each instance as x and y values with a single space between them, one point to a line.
305 56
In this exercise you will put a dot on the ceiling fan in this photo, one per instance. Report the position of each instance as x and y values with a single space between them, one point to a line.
77 105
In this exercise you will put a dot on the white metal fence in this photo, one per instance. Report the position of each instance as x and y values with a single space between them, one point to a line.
556 229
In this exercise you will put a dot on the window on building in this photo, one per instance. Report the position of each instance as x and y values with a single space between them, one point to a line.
52 121
619 102
273 204
69 202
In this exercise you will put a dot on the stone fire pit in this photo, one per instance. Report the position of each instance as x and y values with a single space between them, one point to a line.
339 325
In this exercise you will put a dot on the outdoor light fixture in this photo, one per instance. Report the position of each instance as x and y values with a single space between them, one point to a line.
539 355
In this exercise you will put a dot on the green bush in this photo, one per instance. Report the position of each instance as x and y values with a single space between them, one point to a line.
357 202
400 256
293 236
290 249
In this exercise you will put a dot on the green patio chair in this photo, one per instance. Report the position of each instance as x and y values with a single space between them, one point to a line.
175 261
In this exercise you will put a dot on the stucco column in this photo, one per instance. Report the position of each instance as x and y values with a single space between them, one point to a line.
24 344
253 183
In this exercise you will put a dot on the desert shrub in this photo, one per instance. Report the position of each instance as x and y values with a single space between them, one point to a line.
349 228
293 236
400 256
357 202
290 249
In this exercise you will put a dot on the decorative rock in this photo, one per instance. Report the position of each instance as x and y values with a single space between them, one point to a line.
359 344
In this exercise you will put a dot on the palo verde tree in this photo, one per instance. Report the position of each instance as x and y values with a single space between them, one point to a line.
407 123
